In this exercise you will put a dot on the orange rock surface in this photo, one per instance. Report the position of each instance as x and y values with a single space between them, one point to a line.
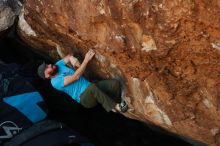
167 54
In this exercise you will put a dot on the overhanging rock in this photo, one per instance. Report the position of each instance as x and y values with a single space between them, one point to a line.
165 52
9 9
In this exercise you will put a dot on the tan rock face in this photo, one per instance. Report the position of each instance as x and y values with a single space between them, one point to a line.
166 52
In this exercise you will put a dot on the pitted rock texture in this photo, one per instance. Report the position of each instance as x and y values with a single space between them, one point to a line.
167 54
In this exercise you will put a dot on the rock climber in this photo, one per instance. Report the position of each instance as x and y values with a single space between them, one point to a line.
70 80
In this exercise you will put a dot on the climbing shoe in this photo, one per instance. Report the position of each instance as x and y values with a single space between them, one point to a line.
123 106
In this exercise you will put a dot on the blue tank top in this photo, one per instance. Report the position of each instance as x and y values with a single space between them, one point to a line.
74 89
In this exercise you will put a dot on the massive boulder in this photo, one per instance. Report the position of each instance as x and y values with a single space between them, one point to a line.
166 54
9 9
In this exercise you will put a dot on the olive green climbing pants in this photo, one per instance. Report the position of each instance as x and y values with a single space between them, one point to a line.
106 92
